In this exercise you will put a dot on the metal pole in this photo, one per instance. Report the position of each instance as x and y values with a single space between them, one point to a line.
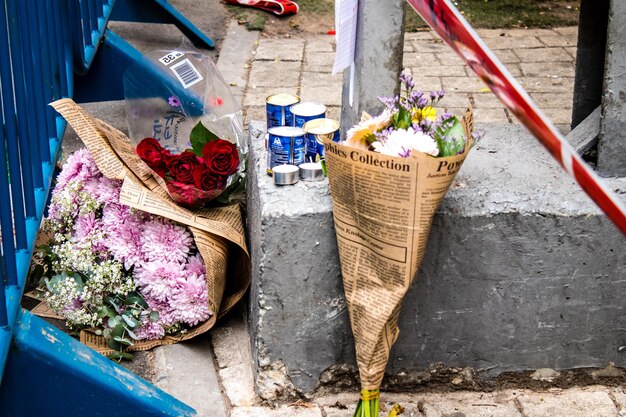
378 59
612 143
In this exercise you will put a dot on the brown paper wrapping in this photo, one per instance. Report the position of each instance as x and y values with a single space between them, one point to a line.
383 208
218 232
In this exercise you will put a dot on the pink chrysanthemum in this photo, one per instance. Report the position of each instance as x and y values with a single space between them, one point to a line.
84 225
157 279
195 265
164 240
79 166
190 300
150 331
103 189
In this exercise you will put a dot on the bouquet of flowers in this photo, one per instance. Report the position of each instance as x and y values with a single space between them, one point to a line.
128 275
186 125
387 180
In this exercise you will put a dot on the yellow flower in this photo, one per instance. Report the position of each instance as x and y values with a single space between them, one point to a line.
429 113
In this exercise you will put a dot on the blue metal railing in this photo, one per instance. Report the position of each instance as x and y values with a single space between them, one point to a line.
35 69
43 44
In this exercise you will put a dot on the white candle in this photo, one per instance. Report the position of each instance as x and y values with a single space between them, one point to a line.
285 174
311 171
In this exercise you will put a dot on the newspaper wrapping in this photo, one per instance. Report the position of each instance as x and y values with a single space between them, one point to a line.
218 232
383 208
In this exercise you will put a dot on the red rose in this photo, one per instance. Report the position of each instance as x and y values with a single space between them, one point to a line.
153 154
184 194
181 167
206 180
221 157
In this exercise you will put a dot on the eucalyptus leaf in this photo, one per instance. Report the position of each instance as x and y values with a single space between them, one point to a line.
114 344
123 340
130 321
118 331
132 335
118 356
154 316
199 137
450 137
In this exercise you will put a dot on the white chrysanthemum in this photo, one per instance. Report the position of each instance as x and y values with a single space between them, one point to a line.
400 143
360 135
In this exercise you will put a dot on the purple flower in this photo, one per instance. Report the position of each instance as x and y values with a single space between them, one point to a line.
407 80
174 101
80 166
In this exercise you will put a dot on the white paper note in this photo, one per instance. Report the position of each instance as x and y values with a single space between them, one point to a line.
346 12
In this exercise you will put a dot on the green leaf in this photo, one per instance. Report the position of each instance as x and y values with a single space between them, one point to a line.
199 137
154 316
36 273
323 164
402 119
238 186
123 340
132 335
130 321
118 331
135 300
118 356
114 344
450 137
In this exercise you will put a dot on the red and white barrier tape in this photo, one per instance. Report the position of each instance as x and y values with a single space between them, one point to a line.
446 20
278 7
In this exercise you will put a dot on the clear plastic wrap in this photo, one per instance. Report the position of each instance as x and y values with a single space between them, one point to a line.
187 126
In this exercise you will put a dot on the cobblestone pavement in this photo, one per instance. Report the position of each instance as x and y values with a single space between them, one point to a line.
542 60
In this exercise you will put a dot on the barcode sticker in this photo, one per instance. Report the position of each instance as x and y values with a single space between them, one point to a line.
170 57
186 73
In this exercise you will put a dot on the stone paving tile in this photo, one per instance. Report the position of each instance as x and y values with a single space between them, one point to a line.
559 116
418 58
238 383
254 113
471 404
427 68
455 100
284 411
575 402
427 83
508 42
463 84
546 85
507 56
322 88
542 55
567 31
333 112
323 43
551 100
486 100
619 397
257 96
282 49
426 34
449 57
434 45
319 61
492 33
486 115
548 69
274 73
571 50
558 40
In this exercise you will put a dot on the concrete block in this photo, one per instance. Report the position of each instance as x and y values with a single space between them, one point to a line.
581 402
522 272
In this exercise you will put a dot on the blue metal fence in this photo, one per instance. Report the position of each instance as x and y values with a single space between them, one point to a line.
43 43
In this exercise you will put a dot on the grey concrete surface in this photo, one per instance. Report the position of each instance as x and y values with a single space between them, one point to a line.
521 272
186 371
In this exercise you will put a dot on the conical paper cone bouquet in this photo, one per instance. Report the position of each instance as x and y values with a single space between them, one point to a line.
387 180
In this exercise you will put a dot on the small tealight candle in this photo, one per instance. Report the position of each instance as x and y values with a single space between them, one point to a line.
285 174
311 171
